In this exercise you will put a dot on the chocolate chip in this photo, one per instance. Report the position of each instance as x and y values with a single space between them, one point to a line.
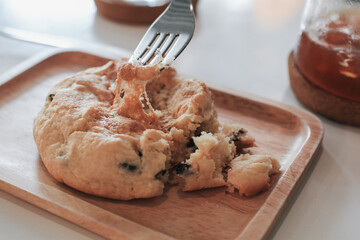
132 168
157 92
241 131
51 96
129 167
197 132
191 143
140 154
160 174
236 135
162 86
225 169
182 168
122 93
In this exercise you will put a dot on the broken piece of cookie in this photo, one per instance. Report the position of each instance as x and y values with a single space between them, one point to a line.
122 131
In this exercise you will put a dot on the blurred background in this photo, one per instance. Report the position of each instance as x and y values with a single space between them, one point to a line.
246 34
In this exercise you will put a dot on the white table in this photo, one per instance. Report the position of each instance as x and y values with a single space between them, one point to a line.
242 44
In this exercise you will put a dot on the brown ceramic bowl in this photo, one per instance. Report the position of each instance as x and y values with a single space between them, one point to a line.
137 12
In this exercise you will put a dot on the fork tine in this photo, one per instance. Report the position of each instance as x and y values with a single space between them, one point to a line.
164 48
144 45
169 34
156 45
178 47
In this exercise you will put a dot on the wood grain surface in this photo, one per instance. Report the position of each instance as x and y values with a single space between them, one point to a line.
288 133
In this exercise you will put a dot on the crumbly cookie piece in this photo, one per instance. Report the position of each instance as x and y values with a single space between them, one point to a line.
122 131
205 166
250 174
239 136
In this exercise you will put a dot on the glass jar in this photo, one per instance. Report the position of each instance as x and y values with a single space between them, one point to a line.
328 49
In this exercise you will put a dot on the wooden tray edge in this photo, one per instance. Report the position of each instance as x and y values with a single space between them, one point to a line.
266 214
45 199
270 213
44 55
272 209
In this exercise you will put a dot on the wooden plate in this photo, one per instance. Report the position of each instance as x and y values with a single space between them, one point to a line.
288 133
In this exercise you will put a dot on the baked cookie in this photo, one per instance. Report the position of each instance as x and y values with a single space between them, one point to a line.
122 131
250 174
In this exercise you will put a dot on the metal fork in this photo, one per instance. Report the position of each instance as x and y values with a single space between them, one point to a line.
168 36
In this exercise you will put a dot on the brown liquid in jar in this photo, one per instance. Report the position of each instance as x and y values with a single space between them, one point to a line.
328 54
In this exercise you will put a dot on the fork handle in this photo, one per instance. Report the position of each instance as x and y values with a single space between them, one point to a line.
181 1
